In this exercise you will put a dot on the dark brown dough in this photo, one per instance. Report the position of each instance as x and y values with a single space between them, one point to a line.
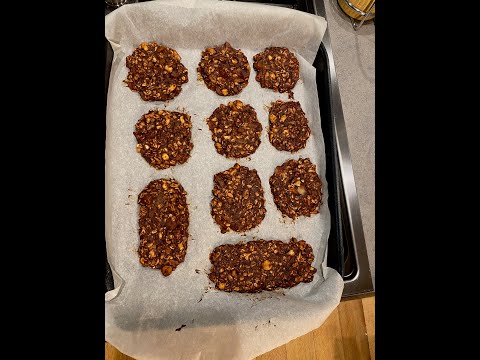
155 72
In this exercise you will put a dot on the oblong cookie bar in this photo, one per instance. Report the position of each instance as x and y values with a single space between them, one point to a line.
277 69
163 225
261 265
296 188
155 72
235 129
238 202
288 126
224 69
164 138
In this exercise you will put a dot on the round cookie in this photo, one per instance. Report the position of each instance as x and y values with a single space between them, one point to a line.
288 130
277 68
235 129
163 225
164 138
296 188
155 72
238 202
224 69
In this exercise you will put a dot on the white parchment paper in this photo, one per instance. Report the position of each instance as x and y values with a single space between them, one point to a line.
145 313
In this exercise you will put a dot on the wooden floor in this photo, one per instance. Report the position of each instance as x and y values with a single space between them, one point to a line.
349 333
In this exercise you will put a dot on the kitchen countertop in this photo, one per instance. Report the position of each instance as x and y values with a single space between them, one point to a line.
348 333
354 57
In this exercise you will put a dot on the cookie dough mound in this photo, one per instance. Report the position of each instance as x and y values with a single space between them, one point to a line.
296 188
238 202
155 72
224 69
288 130
277 68
235 129
164 138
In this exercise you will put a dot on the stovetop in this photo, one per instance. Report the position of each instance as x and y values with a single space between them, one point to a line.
347 252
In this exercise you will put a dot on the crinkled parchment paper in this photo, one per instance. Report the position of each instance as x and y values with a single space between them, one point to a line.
147 315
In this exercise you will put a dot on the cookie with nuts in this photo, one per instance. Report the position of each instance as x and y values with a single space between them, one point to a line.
261 265
288 126
164 138
296 188
155 72
238 202
277 69
163 225
235 129
224 69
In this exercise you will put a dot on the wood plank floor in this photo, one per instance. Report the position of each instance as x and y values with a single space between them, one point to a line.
348 334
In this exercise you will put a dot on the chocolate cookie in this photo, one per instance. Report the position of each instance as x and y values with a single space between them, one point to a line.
164 138
155 72
235 129
224 69
163 225
296 188
261 265
288 129
277 68
238 202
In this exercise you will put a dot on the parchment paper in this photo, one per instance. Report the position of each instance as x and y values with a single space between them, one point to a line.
146 312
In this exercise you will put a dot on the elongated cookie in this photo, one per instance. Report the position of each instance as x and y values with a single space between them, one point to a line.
261 265
163 225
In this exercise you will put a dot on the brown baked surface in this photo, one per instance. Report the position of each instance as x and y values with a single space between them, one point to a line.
164 138
288 130
235 129
163 225
224 69
238 202
155 72
296 188
261 265
277 68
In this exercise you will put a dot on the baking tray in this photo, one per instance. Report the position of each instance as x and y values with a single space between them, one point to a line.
335 247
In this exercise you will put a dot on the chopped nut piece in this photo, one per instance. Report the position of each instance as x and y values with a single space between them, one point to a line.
224 69
266 265
229 208
235 129
164 138
292 131
147 76
291 199
256 270
163 209
167 270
